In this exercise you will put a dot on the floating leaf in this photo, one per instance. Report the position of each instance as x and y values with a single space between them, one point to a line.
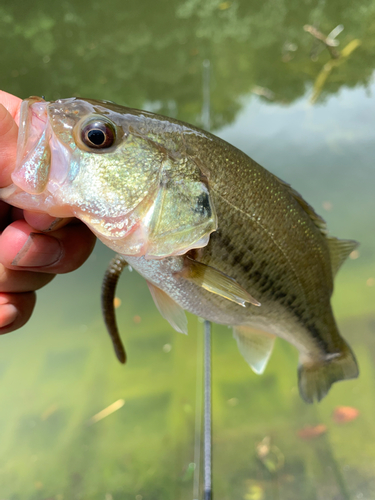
311 432
343 414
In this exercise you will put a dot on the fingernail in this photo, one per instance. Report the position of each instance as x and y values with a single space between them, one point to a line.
8 313
39 250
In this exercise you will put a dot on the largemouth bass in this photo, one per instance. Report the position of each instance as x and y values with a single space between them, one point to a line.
211 231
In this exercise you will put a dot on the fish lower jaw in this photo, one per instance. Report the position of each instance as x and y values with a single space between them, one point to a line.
41 203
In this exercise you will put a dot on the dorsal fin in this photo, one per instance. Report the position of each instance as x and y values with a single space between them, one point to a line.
339 251
319 222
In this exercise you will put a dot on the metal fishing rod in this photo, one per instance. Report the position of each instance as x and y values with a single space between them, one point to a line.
207 416
198 418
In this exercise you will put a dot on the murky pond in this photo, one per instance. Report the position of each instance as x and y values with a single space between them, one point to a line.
305 112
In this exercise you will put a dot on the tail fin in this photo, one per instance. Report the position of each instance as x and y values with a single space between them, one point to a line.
315 378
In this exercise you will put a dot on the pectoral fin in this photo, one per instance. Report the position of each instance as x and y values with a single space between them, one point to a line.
255 346
215 281
169 309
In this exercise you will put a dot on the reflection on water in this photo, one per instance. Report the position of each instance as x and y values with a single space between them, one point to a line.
73 422
145 53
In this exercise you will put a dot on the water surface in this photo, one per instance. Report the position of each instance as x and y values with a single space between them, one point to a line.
276 93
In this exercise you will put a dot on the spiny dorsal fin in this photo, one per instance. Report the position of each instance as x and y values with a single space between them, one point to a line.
319 222
255 346
339 251
215 281
169 309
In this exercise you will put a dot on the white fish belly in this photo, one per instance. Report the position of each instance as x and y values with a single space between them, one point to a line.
194 299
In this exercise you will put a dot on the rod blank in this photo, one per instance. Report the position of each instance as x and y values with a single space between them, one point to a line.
207 413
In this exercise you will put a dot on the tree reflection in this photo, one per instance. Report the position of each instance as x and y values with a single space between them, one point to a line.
150 54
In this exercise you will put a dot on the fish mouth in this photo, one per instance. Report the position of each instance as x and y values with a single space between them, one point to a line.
33 151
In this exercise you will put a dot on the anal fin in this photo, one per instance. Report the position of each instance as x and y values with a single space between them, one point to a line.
169 309
255 346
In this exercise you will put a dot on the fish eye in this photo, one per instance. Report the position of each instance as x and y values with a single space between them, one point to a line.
98 134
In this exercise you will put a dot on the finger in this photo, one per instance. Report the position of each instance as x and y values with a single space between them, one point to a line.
12 104
44 222
5 215
15 310
15 214
22 281
8 146
58 252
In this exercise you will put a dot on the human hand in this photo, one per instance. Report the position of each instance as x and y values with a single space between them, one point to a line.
33 247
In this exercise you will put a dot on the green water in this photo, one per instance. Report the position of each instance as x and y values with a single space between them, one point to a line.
276 94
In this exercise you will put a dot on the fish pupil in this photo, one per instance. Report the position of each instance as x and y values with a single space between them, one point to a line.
98 134
97 137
